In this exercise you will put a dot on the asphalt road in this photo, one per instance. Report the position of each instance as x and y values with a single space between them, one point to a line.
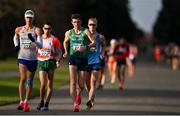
155 90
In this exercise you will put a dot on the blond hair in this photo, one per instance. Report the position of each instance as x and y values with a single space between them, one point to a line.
94 20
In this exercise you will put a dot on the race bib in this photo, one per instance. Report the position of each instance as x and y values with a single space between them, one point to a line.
26 44
76 48
122 50
93 49
45 53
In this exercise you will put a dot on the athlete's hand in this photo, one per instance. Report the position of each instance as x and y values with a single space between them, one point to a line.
17 48
82 48
31 37
65 54
58 64
101 56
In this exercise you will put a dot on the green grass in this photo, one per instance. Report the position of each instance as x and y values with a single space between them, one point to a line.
9 86
8 65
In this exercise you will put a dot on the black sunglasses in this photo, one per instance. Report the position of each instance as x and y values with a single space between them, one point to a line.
47 28
92 24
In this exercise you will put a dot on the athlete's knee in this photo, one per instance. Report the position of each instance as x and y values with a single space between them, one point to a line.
73 84
43 86
22 80
30 83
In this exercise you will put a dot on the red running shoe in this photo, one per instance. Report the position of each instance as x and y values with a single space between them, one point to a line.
76 108
26 107
21 106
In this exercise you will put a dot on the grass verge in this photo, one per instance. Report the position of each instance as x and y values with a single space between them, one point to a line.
8 65
9 87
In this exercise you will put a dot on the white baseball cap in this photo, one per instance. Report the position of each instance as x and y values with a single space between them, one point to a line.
29 13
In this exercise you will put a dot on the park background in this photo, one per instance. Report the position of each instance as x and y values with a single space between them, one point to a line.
115 19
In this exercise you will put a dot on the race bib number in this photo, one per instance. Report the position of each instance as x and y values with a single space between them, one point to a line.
26 43
76 48
45 53
93 49
122 50
27 46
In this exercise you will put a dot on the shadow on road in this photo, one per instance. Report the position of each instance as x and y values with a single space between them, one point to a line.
113 93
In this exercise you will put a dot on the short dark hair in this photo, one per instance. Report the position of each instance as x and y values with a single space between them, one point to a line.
48 23
76 16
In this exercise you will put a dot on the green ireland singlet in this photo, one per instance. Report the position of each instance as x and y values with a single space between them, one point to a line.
78 40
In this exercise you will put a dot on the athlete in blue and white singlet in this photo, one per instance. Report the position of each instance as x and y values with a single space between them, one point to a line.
94 61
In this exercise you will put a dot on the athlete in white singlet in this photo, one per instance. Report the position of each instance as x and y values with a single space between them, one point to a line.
27 58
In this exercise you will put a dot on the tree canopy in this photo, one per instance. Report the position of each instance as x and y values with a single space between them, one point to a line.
113 18
167 26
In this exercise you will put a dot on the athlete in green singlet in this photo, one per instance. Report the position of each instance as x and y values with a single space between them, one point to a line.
80 40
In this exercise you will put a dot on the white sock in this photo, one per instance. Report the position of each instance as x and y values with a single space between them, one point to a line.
25 101
21 101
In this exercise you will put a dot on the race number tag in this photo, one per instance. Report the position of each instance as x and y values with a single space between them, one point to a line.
76 48
93 49
26 44
45 53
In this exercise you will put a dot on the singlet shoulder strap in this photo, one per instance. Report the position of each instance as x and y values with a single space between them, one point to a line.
98 37
71 31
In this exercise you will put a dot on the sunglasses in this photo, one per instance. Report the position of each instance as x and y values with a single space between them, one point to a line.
92 24
47 28
29 17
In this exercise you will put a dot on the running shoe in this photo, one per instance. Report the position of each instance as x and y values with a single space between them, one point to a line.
46 108
121 86
26 107
76 108
21 106
78 99
89 105
92 101
40 105
100 87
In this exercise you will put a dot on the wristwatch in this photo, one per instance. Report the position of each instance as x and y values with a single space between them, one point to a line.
87 47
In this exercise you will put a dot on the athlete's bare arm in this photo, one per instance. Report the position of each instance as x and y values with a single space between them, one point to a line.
91 38
65 43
